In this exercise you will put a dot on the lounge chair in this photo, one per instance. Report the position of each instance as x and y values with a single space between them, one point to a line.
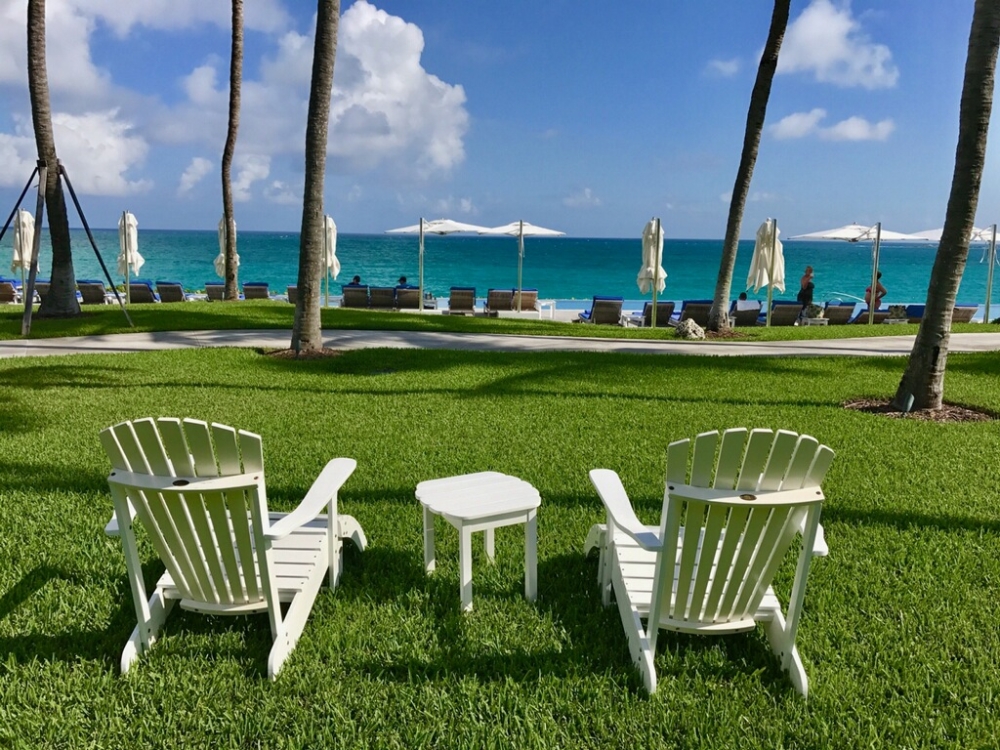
499 300
783 313
838 313
170 291
862 317
529 300
216 291
724 531
205 512
42 287
745 317
462 300
293 294
256 290
603 311
382 298
141 292
355 295
407 298
8 292
697 310
664 315
964 313
92 291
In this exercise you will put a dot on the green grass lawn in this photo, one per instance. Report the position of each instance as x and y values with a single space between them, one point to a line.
899 637
104 319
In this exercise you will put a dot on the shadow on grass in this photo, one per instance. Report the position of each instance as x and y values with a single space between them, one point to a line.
45 479
904 520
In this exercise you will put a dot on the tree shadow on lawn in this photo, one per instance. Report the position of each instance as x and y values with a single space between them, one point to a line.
47 479
904 520
591 637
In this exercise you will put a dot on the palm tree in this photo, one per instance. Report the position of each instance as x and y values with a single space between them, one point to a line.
306 332
61 300
235 79
923 380
718 319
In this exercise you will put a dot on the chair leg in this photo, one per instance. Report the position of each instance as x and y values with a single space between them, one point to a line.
638 642
158 609
787 653
531 557
293 623
465 566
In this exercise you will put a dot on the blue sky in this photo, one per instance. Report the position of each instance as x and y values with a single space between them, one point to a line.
579 116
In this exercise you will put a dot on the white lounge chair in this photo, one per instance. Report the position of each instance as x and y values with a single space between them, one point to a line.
204 508
724 529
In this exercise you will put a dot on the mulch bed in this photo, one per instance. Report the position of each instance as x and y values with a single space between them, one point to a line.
303 355
947 412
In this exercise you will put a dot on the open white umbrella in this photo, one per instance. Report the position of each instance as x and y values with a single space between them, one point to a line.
129 259
767 266
934 235
24 236
220 260
436 226
651 273
330 253
521 229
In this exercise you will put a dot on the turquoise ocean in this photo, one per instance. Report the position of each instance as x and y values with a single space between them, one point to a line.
561 268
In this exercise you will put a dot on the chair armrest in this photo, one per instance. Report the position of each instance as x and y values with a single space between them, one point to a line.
609 487
325 487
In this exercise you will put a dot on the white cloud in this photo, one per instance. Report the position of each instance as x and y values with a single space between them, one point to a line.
802 124
258 15
281 193
355 193
797 125
583 199
250 168
858 129
451 205
724 68
829 42
195 172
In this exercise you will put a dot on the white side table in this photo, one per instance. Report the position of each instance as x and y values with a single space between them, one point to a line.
481 502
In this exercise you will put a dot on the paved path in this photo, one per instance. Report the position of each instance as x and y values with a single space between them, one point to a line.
278 339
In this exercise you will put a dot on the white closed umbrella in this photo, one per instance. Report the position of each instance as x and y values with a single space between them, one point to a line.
651 273
522 229
767 266
220 260
129 259
436 226
330 253
24 237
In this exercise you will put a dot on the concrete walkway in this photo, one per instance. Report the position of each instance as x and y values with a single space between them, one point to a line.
278 339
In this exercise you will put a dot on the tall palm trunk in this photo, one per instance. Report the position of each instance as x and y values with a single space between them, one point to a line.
718 319
306 332
923 379
61 300
235 80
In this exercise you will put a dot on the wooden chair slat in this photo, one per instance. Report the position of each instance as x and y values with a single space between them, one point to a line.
148 438
765 554
209 545
252 449
821 464
226 450
176 447
241 524
802 460
200 446
731 535
730 453
215 506
777 462
754 459
703 459
129 444
715 522
748 541
677 458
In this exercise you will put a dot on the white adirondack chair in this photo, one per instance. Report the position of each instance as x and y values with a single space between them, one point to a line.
205 511
724 529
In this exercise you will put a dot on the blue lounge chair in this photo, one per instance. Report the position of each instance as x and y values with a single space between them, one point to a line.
603 311
92 291
141 292
783 313
255 290
354 295
697 310
170 291
462 300
838 313
216 291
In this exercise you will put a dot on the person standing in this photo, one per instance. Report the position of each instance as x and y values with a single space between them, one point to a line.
880 292
806 287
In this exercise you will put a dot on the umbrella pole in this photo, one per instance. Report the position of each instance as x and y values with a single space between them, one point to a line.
421 264
770 271
874 286
128 257
520 260
326 261
989 274
656 275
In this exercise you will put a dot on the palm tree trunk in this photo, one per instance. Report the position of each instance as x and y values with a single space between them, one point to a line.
307 331
235 81
61 300
923 380
718 319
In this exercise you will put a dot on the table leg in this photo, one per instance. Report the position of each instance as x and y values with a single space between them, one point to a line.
531 557
490 545
465 566
429 562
